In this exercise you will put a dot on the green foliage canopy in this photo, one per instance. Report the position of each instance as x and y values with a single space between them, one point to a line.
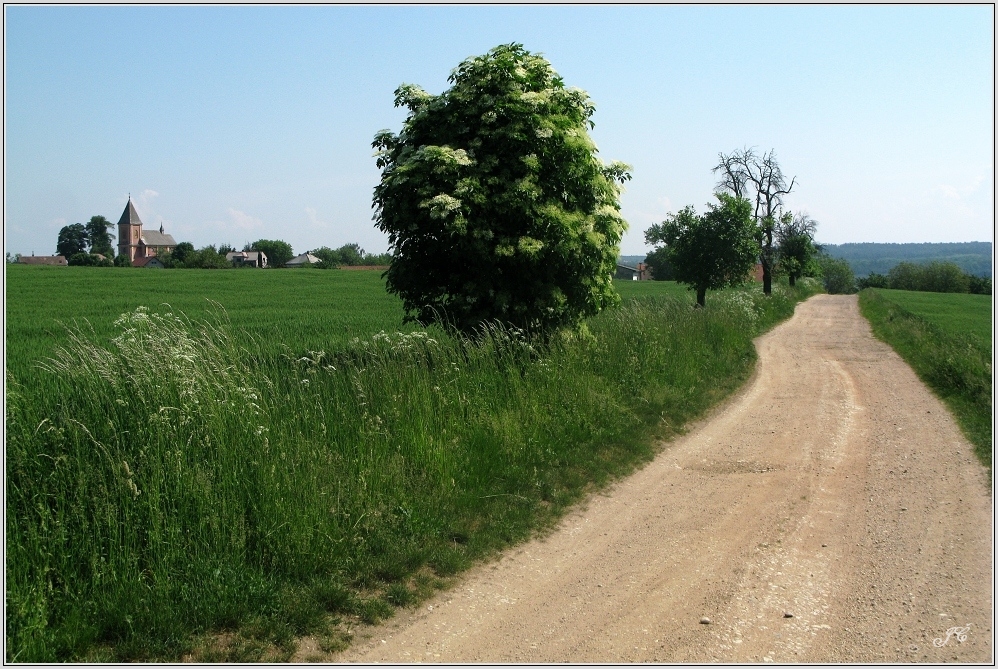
348 254
99 237
796 250
73 239
494 201
183 252
84 259
837 275
658 262
712 251
933 277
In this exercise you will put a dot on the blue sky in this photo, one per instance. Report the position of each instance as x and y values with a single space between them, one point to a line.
231 124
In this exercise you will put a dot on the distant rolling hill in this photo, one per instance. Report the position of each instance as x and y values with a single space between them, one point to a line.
972 257
630 261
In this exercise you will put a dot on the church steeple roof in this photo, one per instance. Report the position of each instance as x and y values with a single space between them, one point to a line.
129 216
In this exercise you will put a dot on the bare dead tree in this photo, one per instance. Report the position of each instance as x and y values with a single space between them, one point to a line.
744 171
799 225
733 175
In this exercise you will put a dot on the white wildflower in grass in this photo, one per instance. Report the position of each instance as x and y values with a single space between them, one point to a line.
738 303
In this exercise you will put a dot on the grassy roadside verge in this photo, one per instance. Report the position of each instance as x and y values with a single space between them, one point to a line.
170 482
956 366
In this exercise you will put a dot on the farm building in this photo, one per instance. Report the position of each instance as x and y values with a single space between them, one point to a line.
304 258
247 258
134 242
42 260
148 261
628 273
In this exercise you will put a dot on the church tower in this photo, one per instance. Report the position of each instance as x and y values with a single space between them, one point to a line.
129 232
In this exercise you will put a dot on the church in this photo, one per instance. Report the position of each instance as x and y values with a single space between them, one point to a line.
136 243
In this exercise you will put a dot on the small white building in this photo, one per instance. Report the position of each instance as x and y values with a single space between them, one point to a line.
304 258
250 258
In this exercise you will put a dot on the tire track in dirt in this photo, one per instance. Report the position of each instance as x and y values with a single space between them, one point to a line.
834 488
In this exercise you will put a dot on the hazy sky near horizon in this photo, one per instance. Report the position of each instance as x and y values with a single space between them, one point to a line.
230 124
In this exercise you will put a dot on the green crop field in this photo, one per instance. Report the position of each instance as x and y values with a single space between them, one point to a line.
271 469
305 310
947 340
955 313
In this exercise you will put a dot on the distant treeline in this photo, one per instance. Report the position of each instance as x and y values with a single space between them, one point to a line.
972 257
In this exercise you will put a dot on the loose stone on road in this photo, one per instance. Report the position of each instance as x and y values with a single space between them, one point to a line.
831 512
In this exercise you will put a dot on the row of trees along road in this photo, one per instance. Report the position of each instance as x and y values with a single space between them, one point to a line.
719 248
748 175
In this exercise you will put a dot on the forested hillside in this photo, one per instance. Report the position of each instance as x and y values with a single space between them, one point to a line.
972 257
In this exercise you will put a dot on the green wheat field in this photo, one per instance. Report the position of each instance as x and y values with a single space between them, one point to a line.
271 453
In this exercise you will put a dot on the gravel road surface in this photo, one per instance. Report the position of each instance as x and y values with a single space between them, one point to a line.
830 512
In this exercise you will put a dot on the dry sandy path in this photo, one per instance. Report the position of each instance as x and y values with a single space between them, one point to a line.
834 487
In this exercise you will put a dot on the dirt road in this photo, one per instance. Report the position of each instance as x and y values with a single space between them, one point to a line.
831 512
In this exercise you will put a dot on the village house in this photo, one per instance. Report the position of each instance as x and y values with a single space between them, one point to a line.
42 260
303 259
247 258
148 261
639 273
135 243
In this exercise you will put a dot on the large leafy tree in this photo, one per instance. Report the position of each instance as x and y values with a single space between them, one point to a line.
99 237
711 251
494 202
183 252
73 239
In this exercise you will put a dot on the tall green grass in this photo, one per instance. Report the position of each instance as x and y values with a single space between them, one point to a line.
183 476
943 343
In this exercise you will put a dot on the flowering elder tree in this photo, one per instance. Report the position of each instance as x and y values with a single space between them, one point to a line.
495 204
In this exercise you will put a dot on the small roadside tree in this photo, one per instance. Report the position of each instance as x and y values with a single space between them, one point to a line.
494 202
278 252
796 249
712 251
72 240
